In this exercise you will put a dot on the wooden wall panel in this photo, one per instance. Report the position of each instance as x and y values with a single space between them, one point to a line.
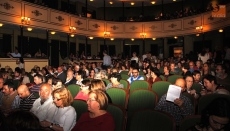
11 7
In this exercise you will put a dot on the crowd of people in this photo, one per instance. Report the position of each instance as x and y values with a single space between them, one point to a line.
43 96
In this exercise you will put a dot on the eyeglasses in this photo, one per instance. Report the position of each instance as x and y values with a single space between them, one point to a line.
57 99
90 100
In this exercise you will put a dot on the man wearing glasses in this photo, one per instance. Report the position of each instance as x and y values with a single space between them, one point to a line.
222 76
135 76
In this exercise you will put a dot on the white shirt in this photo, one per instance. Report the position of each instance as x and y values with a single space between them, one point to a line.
203 58
45 111
131 79
107 60
16 55
65 118
135 58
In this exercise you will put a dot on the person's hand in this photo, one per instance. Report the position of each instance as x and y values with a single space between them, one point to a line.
179 102
192 92
45 123
203 92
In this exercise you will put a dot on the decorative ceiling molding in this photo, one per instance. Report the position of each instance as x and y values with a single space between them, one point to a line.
78 22
114 27
36 12
59 18
96 26
192 22
6 6
172 25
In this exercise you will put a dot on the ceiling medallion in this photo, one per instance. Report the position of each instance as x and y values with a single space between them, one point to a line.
78 22
114 27
96 26
172 25
6 6
133 28
59 18
192 22
36 13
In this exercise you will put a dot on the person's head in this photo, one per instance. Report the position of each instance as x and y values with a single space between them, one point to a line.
80 75
104 52
216 115
115 77
172 66
189 81
92 72
97 101
98 76
97 84
17 72
38 78
154 72
220 70
50 80
206 66
198 63
166 69
134 54
191 65
21 60
135 72
1 83
45 71
45 92
181 83
23 91
70 74
8 88
209 82
56 83
185 67
60 69
196 75
20 120
62 97
114 70
85 84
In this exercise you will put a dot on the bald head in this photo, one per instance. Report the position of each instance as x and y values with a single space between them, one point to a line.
23 91
180 82
45 91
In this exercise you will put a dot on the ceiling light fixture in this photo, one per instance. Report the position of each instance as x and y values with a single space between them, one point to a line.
154 38
111 39
153 2
52 32
72 35
29 29
175 37
221 30
90 0
90 37
110 2
1 24
132 39
132 3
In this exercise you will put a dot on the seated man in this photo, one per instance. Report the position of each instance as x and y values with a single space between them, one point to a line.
210 83
180 108
9 92
25 98
14 54
135 76
70 78
38 79
43 107
222 76
79 77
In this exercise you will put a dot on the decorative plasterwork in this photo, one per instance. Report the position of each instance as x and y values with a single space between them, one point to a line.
36 12
210 18
59 18
133 28
114 27
192 22
78 22
96 26
153 27
172 25
6 6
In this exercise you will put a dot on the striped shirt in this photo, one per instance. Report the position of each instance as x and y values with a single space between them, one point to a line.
35 88
27 103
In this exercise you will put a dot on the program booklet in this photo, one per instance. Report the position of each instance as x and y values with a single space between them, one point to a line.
173 93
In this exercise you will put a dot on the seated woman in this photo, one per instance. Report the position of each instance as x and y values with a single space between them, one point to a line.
84 93
154 76
215 117
65 116
115 81
189 82
97 119
56 83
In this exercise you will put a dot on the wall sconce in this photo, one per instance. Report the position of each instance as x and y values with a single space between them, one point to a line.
175 37
72 29
111 39
72 35
106 34
132 3
90 37
199 29
25 20
29 29
221 30
142 35
1 24
110 2
153 2
52 32
154 38
132 39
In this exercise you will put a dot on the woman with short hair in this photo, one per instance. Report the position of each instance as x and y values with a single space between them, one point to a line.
97 118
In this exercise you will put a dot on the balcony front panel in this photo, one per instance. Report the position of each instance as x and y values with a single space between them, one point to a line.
10 7
36 13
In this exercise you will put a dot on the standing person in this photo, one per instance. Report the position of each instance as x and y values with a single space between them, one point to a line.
204 55
134 58
106 60
20 63
97 118
43 107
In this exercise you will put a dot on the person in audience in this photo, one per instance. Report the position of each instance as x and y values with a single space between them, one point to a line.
20 63
25 78
222 76
185 69
189 80
91 74
197 76
98 76
79 77
135 76
1 88
215 117
65 116
204 55
173 69
85 70
26 99
103 74
199 65
135 58
9 94
15 53
93 66
61 74
192 66
83 94
45 73
43 107
97 118
17 74
70 78
106 60
115 81
38 80
207 70
212 87
57 83
20 120
154 76
166 73
39 54
180 108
